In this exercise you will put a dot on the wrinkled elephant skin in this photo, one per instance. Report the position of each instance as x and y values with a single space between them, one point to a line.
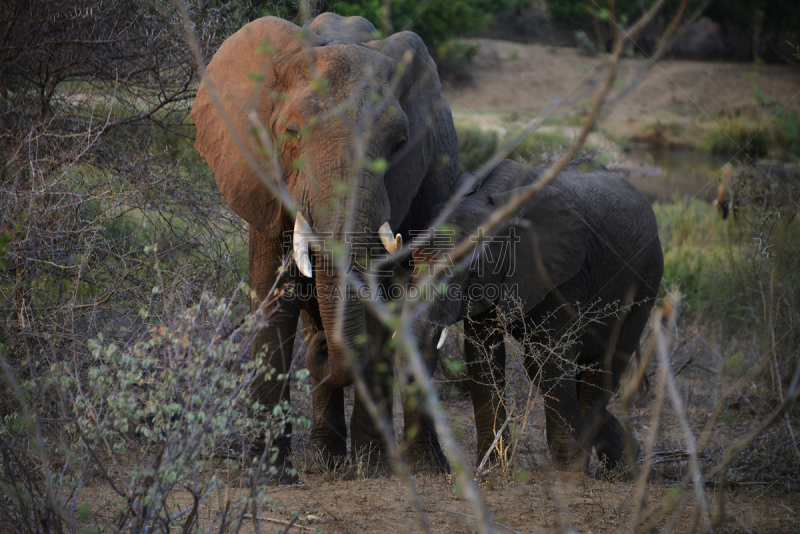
587 241
332 101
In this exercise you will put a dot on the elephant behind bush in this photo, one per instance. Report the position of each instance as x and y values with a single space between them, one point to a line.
364 146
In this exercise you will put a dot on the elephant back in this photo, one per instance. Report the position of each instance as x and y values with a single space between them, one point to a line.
334 28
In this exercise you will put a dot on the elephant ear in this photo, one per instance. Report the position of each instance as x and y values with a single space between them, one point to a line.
551 247
244 73
432 151
335 28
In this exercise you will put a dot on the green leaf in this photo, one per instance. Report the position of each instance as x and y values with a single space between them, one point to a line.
320 85
377 166
299 163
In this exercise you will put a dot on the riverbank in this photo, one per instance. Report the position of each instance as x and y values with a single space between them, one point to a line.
524 79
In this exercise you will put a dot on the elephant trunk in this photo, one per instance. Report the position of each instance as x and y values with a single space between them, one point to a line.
344 323
343 314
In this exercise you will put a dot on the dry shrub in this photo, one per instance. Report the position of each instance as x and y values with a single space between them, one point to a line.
116 364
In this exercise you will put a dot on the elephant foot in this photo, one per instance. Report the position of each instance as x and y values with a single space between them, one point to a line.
285 476
494 459
278 474
498 451
423 452
568 456
426 457
326 454
610 444
273 465
369 450
576 465
371 459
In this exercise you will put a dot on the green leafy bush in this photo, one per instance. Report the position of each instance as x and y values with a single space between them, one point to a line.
475 146
453 60
155 418
435 21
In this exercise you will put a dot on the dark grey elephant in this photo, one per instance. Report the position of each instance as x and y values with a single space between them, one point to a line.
342 109
587 241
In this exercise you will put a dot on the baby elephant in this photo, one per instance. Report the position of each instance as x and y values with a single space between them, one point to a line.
573 275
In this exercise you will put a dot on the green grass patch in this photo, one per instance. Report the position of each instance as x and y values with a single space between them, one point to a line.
536 146
701 252
739 137
755 135
724 268
475 146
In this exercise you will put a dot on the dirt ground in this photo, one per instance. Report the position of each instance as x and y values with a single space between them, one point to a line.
511 77
530 497
759 492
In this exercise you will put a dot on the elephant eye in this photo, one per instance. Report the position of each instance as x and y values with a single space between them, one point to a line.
292 134
399 145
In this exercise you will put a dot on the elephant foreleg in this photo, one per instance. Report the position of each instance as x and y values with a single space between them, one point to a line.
559 388
485 354
328 428
277 339
423 451
368 444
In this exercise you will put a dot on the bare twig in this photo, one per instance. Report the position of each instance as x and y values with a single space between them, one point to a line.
494 444
691 444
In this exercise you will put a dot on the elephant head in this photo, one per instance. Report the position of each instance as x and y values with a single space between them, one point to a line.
346 114
512 268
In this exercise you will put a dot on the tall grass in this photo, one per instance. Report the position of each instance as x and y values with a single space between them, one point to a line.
701 251
768 131
741 275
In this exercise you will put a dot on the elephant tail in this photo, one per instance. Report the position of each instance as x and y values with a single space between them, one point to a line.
644 385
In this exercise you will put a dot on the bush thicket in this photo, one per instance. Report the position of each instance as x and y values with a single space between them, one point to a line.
750 26
112 233
435 21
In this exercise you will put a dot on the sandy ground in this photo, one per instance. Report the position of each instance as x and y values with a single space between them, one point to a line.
529 496
511 77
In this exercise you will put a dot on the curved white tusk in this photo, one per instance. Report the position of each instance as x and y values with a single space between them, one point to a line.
300 245
441 339
390 241
395 333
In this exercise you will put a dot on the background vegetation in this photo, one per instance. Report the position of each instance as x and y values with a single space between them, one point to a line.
752 29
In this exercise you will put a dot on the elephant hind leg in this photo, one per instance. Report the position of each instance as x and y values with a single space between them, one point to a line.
610 445
599 427
567 450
